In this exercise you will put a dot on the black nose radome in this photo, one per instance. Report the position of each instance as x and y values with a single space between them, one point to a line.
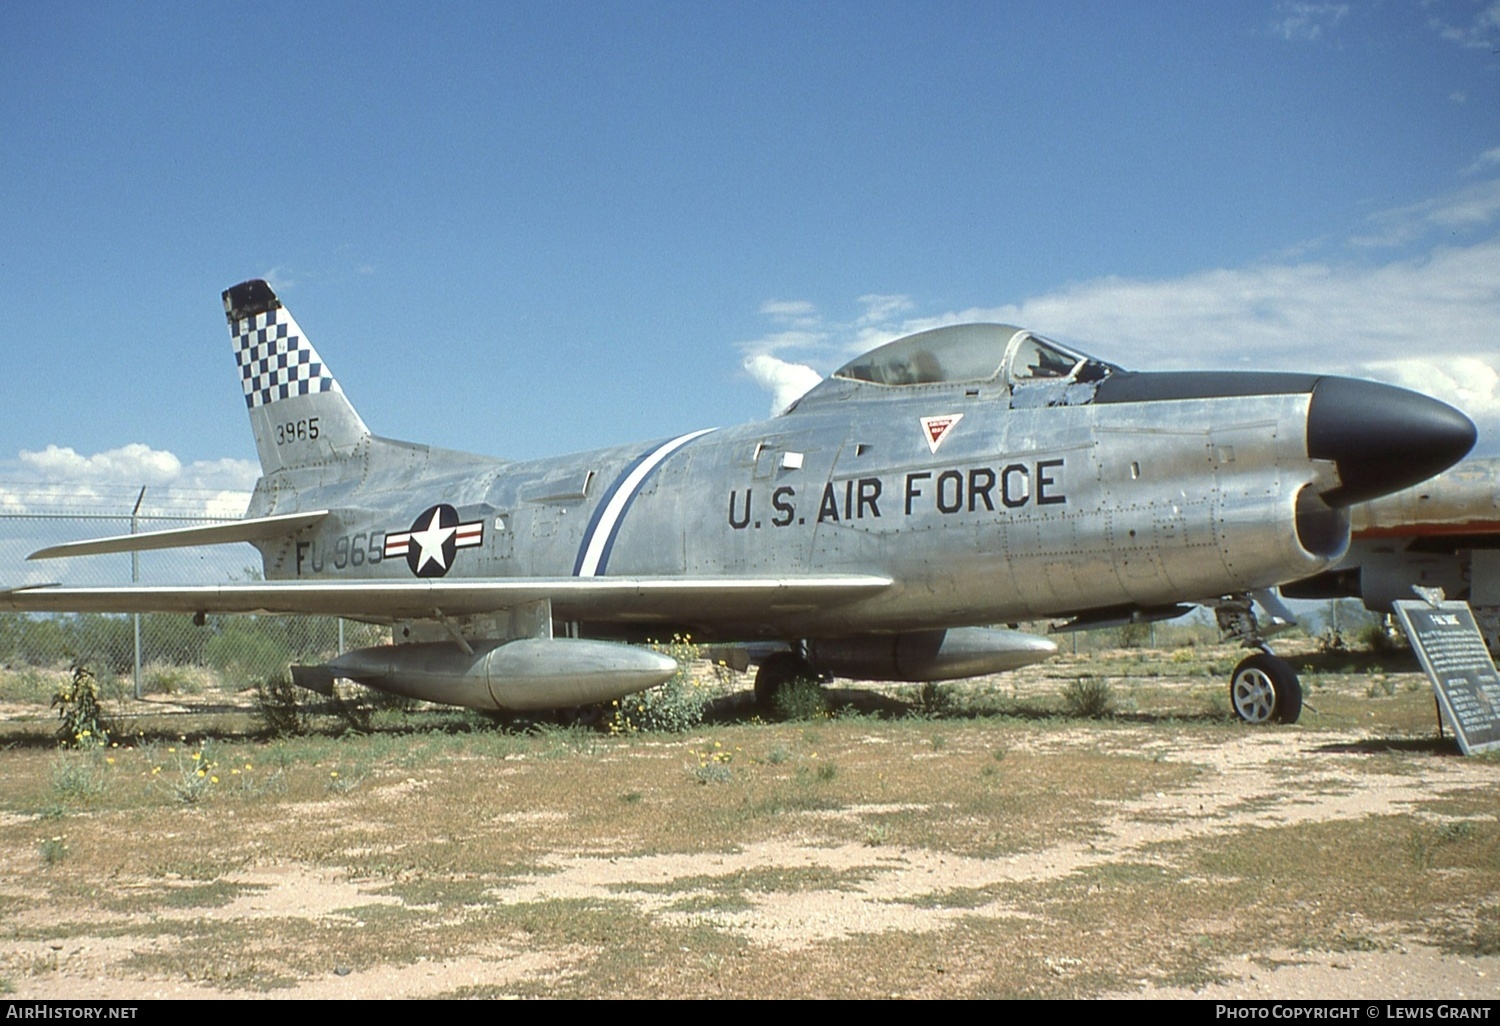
1382 438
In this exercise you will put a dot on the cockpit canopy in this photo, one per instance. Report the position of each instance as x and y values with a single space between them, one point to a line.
973 354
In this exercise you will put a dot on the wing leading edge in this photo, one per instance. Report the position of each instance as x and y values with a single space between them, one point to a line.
622 599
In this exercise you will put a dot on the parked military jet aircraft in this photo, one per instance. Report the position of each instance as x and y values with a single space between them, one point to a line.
969 475
1443 533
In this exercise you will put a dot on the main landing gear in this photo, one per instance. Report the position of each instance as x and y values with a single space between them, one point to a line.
1263 688
777 671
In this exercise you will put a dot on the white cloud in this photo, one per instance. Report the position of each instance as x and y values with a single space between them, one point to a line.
1471 207
56 494
1429 322
1481 32
788 308
794 315
225 504
1471 383
817 340
1303 22
1447 300
880 309
1486 160
787 382
133 463
108 482
778 341
280 279
1441 312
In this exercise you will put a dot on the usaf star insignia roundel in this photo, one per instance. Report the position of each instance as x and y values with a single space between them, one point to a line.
434 539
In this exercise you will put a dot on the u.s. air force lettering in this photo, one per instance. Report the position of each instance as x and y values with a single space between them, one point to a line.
989 488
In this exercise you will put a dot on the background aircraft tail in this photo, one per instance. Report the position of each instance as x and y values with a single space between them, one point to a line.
298 413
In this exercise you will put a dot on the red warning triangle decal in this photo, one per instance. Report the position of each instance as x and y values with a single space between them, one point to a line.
935 429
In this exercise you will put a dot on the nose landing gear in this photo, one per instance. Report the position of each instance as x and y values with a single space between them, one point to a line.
1263 688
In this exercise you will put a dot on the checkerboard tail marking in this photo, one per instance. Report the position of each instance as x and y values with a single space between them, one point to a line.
298 414
275 359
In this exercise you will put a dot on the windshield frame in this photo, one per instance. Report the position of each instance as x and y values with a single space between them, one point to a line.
955 354
974 355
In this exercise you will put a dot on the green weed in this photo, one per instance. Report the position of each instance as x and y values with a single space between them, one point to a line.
190 775
165 679
77 778
800 699
935 698
822 772
78 706
278 706
673 707
713 765
52 851
1088 698
353 707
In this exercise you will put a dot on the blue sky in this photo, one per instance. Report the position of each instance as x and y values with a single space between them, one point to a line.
531 228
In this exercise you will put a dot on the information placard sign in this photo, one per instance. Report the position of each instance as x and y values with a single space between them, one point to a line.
1448 642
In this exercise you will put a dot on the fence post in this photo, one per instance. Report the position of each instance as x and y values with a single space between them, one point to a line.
135 578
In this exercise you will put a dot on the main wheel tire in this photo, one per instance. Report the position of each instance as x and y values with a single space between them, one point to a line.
1265 689
779 669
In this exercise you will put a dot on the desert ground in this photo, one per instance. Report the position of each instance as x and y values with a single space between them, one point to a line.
979 839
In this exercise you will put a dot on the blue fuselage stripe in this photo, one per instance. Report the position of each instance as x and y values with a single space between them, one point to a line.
593 528
604 526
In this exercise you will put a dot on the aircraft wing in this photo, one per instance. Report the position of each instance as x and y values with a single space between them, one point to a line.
253 529
618 599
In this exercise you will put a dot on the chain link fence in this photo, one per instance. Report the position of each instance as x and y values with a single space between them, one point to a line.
147 653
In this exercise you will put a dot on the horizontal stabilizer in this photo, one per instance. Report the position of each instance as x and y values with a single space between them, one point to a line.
639 599
255 529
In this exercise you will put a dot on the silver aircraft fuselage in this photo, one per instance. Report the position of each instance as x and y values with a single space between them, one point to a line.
1040 499
965 476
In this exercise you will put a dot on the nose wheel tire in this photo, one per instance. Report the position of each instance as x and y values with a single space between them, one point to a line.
1265 689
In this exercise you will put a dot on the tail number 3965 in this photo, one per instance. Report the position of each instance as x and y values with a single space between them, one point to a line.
297 431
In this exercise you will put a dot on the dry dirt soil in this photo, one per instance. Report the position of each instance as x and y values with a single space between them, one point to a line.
1153 854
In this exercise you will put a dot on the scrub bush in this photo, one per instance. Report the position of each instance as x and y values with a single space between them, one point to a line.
673 707
1088 698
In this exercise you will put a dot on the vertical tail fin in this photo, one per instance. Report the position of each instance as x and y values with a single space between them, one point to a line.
298 413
